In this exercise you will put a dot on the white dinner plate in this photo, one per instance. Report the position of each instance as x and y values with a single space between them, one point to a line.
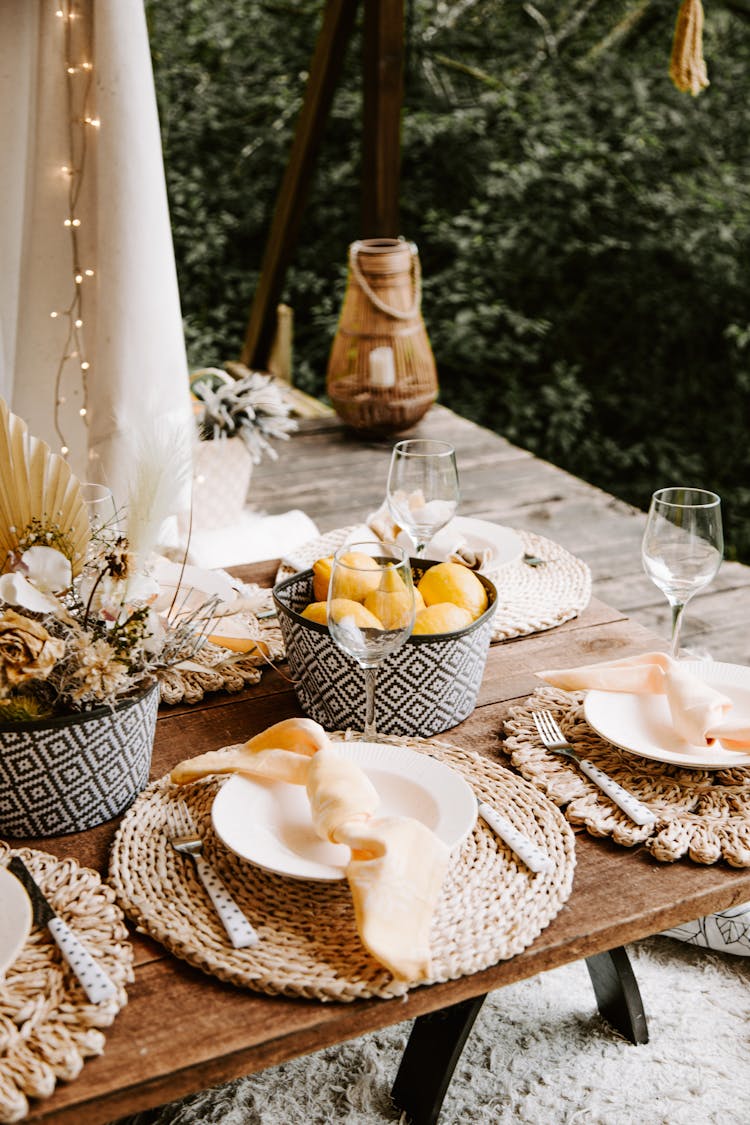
643 725
503 543
15 918
269 823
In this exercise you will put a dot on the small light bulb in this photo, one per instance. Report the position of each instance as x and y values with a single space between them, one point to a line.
79 278
87 66
89 273
71 70
85 365
54 315
68 223
95 122
59 13
82 411
65 170
64 449
76 223
79 324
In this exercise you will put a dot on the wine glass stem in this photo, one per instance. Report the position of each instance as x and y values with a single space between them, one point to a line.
371 675
677 611
421 544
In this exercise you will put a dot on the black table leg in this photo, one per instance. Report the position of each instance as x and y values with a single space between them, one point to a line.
617 994
435 1045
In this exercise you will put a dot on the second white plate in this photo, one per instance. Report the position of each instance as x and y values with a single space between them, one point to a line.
268 823
15 918
643 724
503 543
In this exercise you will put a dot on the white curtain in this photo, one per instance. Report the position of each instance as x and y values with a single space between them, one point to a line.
132 338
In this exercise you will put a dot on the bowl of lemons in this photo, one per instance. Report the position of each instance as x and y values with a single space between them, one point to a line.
429 685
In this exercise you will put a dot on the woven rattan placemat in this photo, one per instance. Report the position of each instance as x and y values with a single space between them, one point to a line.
530 598
491 908
702 814
48 1028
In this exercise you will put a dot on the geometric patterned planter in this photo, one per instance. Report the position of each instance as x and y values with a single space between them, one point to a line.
74 772
428 686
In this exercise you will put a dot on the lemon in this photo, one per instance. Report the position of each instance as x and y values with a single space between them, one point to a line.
361 617
451 582
391 602
316 611
356 583
442 617
321 577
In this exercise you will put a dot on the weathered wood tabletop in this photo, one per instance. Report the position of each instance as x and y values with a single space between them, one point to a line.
182 1030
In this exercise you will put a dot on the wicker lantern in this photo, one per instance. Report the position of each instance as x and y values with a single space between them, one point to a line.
381 372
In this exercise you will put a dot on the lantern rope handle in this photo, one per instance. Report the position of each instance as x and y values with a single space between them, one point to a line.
416 272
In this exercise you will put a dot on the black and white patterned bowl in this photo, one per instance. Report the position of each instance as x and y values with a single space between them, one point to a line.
426 687
74 772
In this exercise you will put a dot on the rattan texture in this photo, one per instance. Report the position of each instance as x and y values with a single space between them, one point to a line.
530 598
215 668
701 814
48 1028
492 906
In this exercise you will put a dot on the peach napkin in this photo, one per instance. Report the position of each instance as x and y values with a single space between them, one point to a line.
397 864
700 714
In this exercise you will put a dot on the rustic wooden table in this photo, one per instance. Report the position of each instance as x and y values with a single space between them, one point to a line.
181 1030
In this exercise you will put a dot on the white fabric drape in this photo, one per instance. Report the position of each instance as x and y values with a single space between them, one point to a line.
137 379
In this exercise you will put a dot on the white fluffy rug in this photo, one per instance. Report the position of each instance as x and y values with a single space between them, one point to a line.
538 1055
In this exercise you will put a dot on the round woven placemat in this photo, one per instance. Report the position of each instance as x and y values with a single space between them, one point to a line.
214 668
491 908
553 587
47 1025
703 814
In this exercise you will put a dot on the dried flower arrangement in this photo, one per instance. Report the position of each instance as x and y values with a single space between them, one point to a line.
82 622
250 406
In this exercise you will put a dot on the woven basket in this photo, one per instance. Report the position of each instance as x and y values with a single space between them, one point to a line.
382 310
74 772
428 686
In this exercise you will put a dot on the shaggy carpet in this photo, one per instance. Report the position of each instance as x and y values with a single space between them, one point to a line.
539 1054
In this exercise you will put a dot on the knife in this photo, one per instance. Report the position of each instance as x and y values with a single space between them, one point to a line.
532 855
94 981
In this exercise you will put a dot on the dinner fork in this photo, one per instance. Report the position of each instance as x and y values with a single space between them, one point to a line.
185 839
553 738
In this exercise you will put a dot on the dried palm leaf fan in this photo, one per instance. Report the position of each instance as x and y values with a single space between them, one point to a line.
687 67
40 499
381 371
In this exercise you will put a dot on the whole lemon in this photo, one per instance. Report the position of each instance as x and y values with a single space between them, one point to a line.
316 611
321 577
361 617
392 601
451 582
356 577
442 617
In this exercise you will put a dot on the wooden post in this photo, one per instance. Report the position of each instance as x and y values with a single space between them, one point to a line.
325 68
383 68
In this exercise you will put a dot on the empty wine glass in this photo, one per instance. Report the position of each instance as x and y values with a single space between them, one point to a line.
682 546
422 488
370 609
100 504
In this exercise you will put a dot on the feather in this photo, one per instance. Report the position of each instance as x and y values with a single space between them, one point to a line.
161 479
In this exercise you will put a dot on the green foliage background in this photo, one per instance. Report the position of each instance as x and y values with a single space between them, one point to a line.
583 227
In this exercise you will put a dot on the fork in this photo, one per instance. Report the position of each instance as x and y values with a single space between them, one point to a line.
185 839
553 738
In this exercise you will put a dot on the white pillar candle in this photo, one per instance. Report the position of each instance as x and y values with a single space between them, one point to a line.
382 368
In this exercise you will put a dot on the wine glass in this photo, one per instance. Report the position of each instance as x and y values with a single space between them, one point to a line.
682 546
370 609
422 488
100 505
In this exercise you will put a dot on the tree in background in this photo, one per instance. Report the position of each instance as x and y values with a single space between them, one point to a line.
583 226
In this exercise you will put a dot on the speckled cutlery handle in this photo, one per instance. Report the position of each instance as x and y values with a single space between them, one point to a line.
94 981
629 804
241 933
534 858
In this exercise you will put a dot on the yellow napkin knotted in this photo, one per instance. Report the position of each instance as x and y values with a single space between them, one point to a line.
397 864
700 714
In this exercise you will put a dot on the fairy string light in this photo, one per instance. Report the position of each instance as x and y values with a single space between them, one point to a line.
79 74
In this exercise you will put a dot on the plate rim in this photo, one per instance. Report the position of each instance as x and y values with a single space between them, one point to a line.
432 764
8 957
728 673
495 527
